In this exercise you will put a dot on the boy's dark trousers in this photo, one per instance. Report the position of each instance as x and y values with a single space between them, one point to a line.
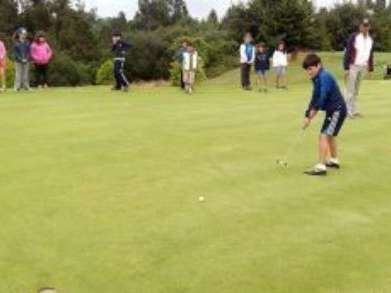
120 78
182 81
245 69
41 74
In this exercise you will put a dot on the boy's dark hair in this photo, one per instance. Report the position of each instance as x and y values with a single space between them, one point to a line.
261 45
311 60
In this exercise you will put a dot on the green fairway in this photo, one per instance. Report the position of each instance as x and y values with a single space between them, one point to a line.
100 191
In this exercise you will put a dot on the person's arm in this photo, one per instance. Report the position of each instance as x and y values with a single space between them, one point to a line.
349 52
243 56
126 45
253 56
318 100
33 52
3 51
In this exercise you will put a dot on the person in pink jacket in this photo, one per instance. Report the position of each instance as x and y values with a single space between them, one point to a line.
3 64
41 54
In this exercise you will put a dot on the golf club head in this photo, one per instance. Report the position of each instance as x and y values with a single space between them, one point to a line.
282 163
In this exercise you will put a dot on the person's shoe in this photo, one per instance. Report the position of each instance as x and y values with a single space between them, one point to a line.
115 89
318 170
333 165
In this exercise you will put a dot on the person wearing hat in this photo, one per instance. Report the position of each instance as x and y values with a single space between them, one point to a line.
22 59
120 49
358 60
41 54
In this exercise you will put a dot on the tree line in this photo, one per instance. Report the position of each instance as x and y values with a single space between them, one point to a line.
82 40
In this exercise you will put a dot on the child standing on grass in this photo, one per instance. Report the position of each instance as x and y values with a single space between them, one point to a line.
326 97
120 49
247 57
280 65
22 59
41 54
3 64
262 66
190 60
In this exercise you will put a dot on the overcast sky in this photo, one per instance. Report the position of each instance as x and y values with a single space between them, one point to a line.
197 8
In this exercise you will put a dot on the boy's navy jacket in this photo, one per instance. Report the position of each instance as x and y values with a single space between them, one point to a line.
22 51
326 95
120 49
262 61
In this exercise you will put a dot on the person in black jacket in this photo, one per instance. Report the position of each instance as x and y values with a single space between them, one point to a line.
262 66
120 49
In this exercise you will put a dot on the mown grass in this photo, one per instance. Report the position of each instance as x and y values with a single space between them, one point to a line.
99 192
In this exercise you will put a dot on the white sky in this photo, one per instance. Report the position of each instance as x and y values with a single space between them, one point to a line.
197 8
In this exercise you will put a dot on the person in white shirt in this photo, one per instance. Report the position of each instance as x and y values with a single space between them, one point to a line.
190 63
280 65
358 60
247 58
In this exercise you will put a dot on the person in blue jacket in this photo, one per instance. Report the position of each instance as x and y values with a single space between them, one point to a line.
21 50
326 97
262 66
120 49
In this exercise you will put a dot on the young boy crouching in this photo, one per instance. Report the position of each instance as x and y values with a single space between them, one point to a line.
326 97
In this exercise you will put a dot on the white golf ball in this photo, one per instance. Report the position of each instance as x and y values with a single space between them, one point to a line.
201 199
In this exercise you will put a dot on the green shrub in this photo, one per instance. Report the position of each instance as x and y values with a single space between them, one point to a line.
64 71
104 74
10 73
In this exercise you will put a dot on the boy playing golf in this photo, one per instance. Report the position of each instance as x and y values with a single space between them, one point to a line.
326 97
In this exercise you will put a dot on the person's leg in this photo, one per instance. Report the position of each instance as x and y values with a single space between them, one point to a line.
123 78
352 89
26 76
182 81
117 78
242 75
248 76
37 73
324 149
18 76
360 74
45 68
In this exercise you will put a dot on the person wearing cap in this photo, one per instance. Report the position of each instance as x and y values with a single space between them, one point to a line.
22 59
120 49
358 60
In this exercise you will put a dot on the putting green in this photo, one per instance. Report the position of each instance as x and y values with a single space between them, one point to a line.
100 191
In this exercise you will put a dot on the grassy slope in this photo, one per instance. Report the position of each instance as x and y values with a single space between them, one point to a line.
99 193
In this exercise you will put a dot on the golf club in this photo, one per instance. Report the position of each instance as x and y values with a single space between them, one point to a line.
284 162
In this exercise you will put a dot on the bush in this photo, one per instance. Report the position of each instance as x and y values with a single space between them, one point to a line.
104 74
10 73
176 68
64 71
